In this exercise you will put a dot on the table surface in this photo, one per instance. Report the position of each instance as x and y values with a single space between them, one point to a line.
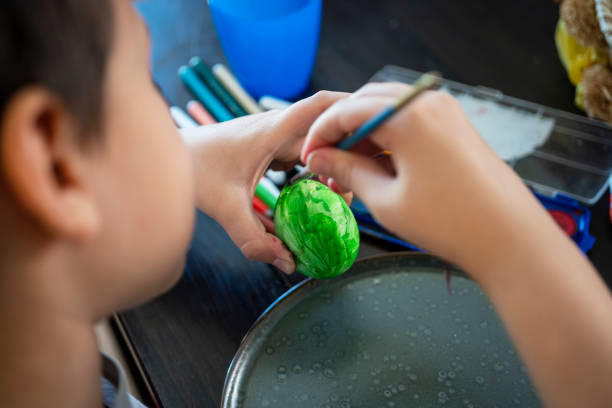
184 340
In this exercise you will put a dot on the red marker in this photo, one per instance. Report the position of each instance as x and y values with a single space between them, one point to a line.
261 207
199 113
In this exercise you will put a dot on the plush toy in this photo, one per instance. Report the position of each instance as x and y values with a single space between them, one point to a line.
584 43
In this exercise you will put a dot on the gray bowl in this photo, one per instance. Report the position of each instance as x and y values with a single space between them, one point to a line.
387 333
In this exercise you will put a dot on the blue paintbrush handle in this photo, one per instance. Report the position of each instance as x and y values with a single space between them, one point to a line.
366 129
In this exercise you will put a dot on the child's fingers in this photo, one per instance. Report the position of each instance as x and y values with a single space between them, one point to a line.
266 222
354 172
249 234
293 124
341 119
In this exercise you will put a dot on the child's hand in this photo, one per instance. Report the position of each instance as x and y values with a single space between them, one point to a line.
231 157
445 190
442 182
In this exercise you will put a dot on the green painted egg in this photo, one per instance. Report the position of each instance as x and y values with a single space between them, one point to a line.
318 228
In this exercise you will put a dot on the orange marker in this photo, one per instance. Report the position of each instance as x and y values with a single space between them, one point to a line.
199 113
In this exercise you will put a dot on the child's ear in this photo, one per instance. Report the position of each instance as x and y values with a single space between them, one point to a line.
43 163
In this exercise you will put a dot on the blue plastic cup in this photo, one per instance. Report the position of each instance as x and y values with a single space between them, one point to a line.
271 45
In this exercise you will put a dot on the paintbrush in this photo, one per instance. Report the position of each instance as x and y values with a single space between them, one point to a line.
427 81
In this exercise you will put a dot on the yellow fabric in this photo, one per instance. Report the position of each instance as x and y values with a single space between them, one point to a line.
574 56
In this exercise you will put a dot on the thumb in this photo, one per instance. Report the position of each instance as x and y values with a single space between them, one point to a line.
249 234
352 171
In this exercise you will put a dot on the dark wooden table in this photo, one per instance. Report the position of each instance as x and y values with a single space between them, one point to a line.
184 340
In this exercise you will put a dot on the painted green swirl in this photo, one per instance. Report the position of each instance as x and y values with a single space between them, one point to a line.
318 228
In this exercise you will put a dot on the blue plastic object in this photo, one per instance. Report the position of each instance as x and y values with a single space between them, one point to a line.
572 217
271 45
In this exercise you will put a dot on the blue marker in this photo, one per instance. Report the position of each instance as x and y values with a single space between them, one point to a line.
386 237
203 94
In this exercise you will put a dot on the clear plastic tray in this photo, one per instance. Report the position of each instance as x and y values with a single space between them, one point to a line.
576 158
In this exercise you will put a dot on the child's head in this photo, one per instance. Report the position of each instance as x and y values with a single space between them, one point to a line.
95 182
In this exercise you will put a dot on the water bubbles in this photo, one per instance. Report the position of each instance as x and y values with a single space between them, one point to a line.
442 374
329 372
282 373
316 367
269 351
303 397
303 316
401 387
479 380
427 332
451 374
442 395
376 281
345 403
416 396
297 369
483 324
412 377
387 393
315 328
265 403
498 366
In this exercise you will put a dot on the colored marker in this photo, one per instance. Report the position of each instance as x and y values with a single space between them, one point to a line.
199 113
268 102
610 182
215 86
203 94
182 119
261 207
232 85
266 196
385 237
270 186
278 177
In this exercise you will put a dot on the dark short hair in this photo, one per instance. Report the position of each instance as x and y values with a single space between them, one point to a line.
60 45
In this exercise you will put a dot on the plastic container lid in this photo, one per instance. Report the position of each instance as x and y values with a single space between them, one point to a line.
574 159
